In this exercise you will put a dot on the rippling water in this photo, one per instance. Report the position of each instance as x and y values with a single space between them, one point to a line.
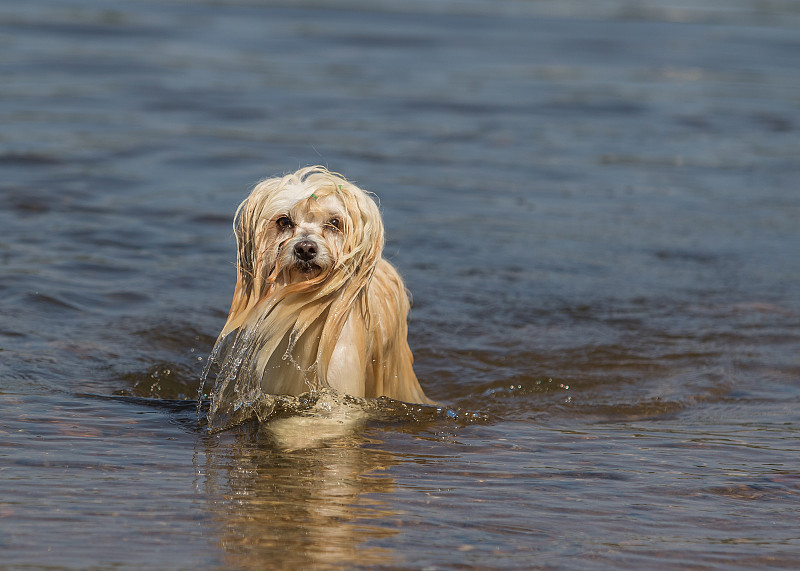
594 204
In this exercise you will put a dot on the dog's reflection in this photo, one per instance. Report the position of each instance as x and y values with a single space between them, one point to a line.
300 492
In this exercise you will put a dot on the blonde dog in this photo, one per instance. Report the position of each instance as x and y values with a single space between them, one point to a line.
316 306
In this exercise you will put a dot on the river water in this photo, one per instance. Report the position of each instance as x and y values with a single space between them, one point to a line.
594 204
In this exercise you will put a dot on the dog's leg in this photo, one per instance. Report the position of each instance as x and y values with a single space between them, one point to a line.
347 369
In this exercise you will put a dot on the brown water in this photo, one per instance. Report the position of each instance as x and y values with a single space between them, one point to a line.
594 204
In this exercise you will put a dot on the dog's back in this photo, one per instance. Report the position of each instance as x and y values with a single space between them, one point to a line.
390 372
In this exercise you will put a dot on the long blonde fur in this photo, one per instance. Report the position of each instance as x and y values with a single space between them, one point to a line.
281 333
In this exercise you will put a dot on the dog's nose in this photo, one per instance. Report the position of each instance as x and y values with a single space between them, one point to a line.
305 250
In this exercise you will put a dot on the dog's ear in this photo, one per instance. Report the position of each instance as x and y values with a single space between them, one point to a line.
365 237
239 306
371 228
248 228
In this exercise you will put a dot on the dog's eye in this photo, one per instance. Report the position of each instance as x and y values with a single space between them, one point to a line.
284 223
335 223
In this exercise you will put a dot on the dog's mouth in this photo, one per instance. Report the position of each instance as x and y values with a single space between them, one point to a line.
307 268
306 258
301 261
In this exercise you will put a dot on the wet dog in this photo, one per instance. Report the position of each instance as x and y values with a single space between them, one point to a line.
316 306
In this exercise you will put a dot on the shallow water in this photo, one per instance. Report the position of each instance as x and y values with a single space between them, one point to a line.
594 205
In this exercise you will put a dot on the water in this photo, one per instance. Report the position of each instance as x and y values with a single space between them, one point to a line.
594 205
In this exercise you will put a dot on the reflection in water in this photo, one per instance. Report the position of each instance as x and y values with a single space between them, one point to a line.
298 492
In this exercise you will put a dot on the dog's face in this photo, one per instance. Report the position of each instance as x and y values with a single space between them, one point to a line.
312 230
308 237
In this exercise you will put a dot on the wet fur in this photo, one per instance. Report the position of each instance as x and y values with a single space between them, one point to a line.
338 322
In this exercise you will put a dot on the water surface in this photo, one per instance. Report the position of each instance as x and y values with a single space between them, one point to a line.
594 206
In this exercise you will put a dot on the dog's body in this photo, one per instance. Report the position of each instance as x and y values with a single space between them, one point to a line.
315 304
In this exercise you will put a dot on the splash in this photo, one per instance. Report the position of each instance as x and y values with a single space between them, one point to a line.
239 361
320 412
234 398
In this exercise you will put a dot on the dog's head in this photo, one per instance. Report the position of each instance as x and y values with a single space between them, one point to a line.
311 230
305 239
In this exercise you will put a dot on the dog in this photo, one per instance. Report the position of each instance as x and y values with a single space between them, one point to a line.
316 306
